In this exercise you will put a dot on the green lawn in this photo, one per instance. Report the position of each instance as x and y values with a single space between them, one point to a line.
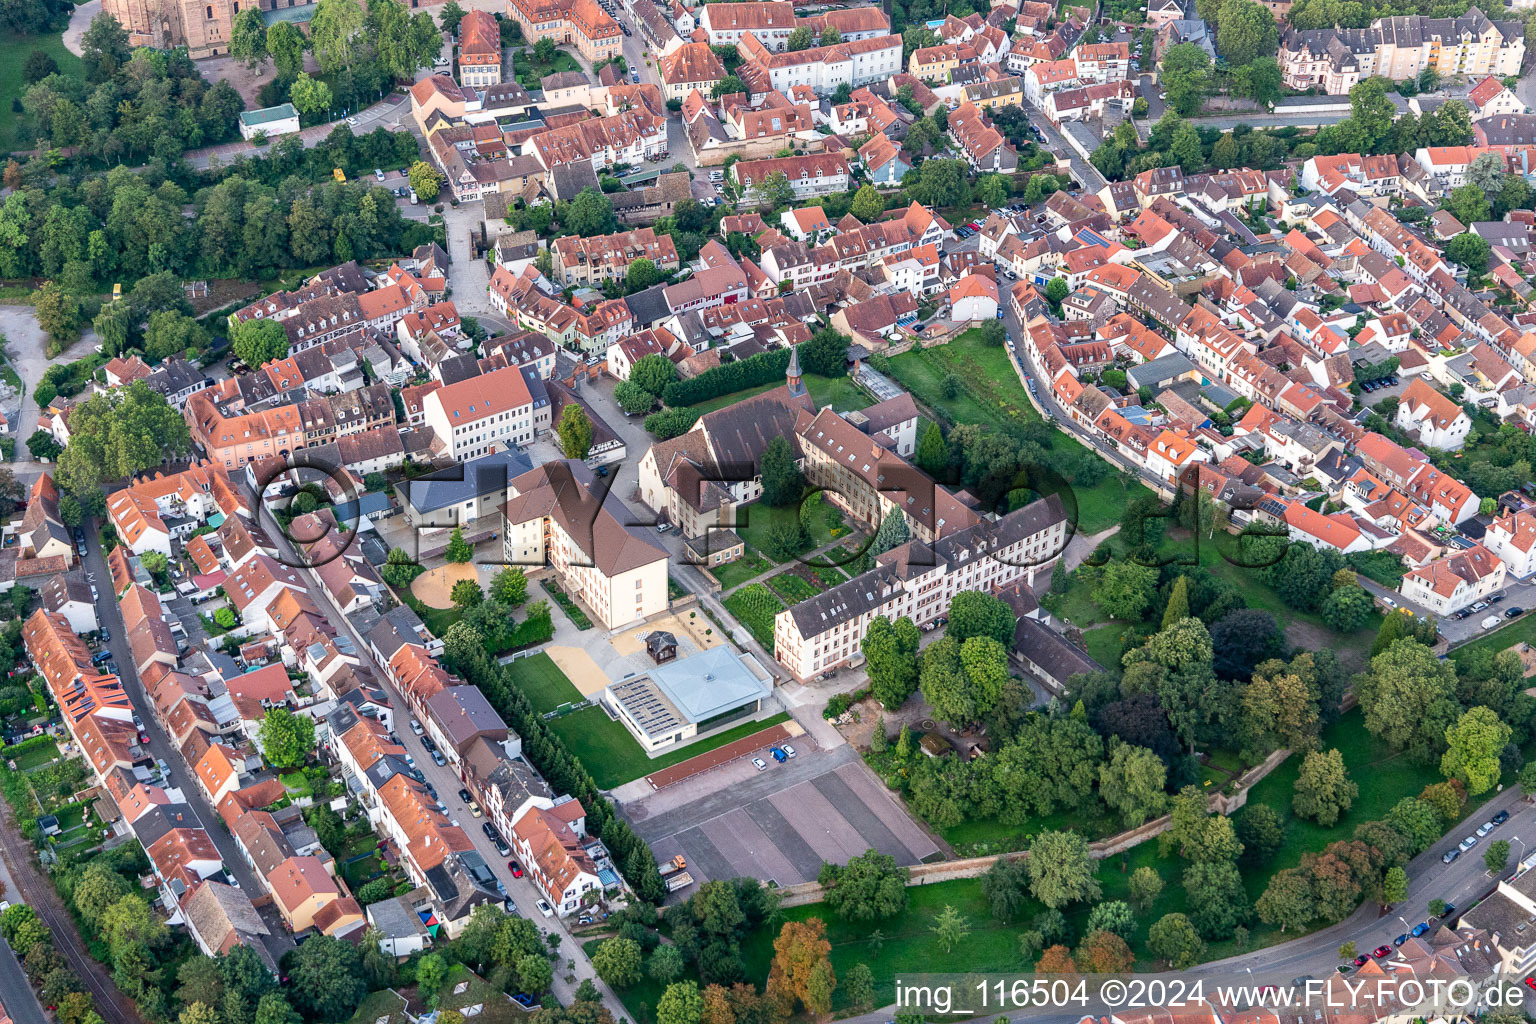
1104 645
542 682
19 47
37 757
839 392
990 391
606 747
827 524
754 606
750 564
529 70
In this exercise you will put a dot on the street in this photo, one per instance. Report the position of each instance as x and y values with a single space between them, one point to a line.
447 784
279 942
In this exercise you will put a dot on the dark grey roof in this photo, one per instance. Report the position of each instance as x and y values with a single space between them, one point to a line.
567 181
465 482
161 819
870 590
464 713
1053 654
649 307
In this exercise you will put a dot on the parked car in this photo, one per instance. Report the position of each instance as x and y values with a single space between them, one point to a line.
417 727
1450 855
427 744
465 797
544 908
778 755
789 750
378 173
1450 909
1362 960
1467 843
516 868
760 764
1485 828
1381 952
1501 817
1400 939
1419 929
1514 613
438 758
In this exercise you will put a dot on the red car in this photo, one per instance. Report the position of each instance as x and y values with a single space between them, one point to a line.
1361 961
516 868
1381 952
1530 982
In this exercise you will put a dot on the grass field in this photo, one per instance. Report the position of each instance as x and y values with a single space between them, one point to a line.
990 390
18 48
750 564
607 749
839 392
37 757
1104 645
827 525
754 606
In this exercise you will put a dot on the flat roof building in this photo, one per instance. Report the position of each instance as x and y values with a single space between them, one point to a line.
670 703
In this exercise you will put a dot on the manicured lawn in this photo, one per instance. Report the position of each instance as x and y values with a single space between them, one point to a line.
827 525
1075 605
17 49
839 392
1259 594
37 757
530 70
750 564
542 682
754 606
1104 645
437 620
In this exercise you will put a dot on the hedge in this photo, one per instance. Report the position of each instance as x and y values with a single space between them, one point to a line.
728 378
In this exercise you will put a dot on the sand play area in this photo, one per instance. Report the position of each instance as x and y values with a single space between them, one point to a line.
434 587
579 667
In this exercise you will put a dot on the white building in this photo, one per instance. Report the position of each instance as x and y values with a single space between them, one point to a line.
1454 582
473 416
1433 418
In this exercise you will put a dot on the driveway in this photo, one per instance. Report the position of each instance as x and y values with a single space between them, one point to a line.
391 110
25 347
1086 174
468 277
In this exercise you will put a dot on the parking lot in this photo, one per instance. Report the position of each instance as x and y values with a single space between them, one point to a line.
782 823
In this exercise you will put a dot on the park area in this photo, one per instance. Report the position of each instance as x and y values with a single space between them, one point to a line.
986 391
13 86
603 745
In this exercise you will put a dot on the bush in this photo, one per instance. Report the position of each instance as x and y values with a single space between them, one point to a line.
728 378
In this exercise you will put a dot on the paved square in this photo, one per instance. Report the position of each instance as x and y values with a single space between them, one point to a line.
830 811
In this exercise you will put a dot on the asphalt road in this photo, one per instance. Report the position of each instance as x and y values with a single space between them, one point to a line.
279 942
21 1004
573 961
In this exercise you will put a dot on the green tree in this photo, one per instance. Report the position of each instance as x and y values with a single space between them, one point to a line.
951 927
258 342
1005 887
1061 869
285 44
775 191
575 431
1057 289
1468 203
783 483
325 979
1409 698
932 453
1347 609
727 86
248 38
104 48
1178 603
641 275
1125 589
425 181
976 614
1146 885
1247 32
509 587
1186 77
1324 791
830 36
286 738
892 533
632 398
458 550
336 34
1115 916
859 987
890 651
1469 250
653 373
1496 857
868 204
617 961
57 312
1473 747
590 213
431 972
466 594
870 886
666 964
170 333
535 973
309 95
1394 885
1131 784
801 38
826 353
1173 938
